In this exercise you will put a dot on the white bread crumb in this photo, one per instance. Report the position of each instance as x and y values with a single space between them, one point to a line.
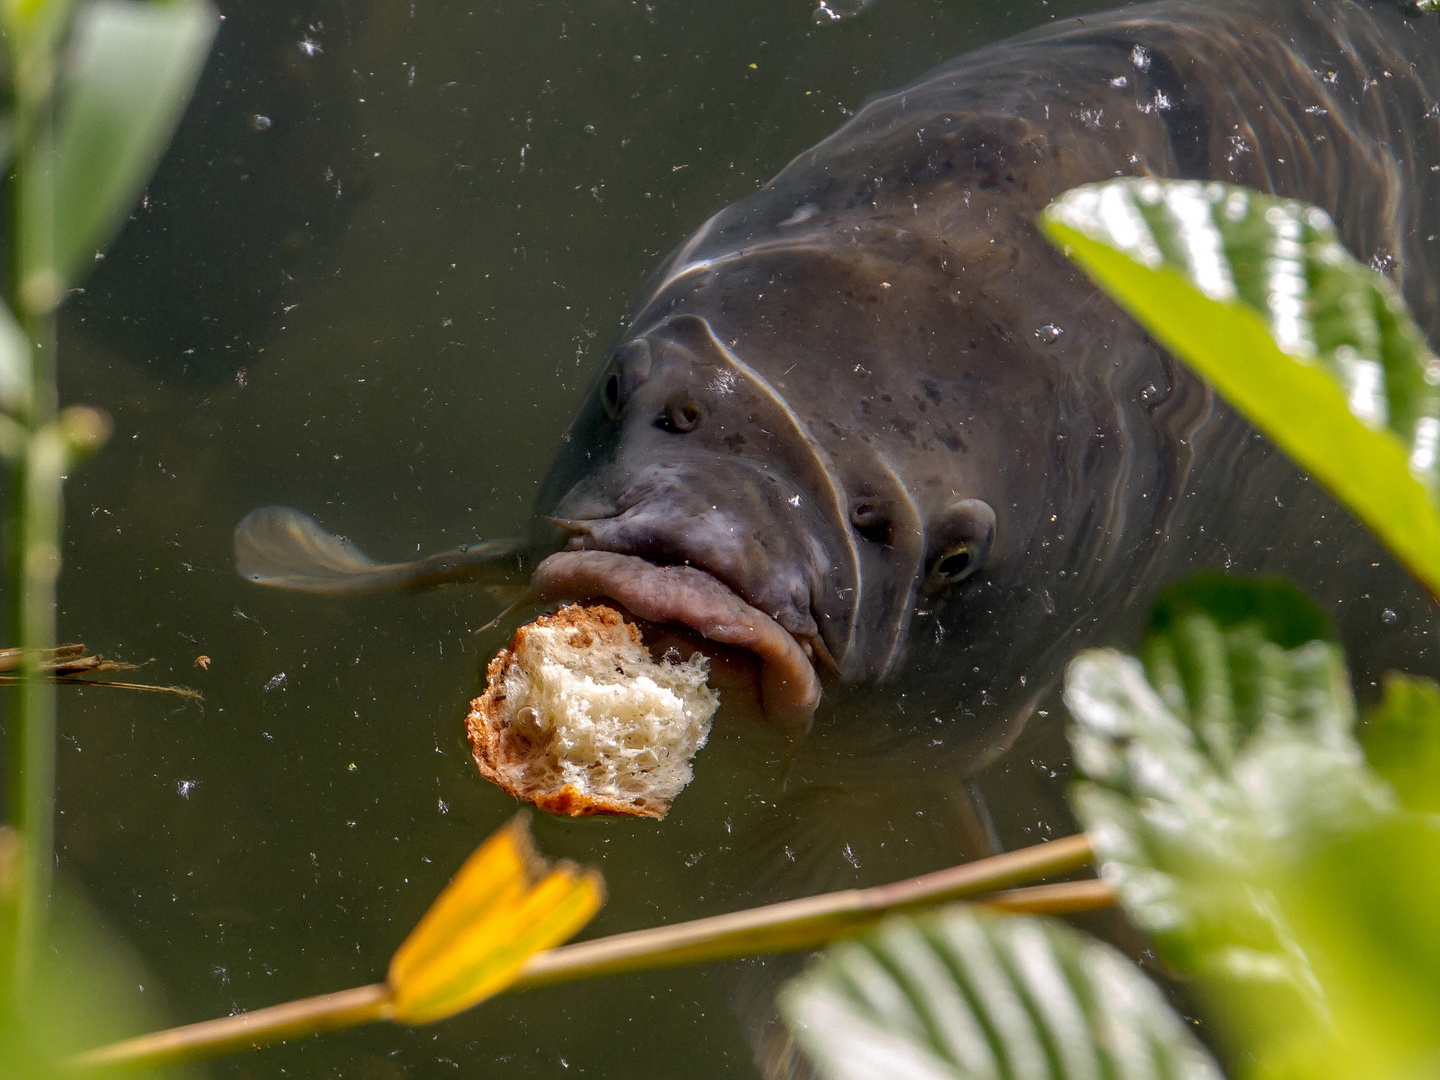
578 719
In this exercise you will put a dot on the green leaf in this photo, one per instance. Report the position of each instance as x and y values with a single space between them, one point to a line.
958 995
1257 294
1402 740
15 371
1276 608
88 985
7 142
130 71
1210 773
1364 908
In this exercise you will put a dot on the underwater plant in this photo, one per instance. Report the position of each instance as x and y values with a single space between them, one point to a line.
93 92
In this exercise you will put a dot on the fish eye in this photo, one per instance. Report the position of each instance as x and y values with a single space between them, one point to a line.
957 540
682 414
955 565
610 394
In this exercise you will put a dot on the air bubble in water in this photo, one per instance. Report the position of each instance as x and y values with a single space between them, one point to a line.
1151 394
260 123
1389 617
1048 334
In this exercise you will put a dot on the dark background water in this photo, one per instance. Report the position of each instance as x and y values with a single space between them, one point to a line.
372 279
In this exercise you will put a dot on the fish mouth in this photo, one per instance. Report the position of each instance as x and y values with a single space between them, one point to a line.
689 597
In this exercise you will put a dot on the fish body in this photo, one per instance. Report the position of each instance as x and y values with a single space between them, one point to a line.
873 400
919 448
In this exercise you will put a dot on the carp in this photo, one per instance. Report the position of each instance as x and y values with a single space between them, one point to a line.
871 406
872 419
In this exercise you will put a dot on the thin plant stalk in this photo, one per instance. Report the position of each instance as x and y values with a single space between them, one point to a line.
33 735
790 926
36 478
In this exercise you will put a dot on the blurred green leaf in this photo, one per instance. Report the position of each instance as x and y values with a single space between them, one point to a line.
7 142
1257 294
1209 774
1402 740
15 371
1365 906
33 28
1276 608
129 73
88 985
958 994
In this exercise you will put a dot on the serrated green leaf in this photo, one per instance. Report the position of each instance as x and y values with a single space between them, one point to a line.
962 995
1402 740
1257 294
129 73
1210 773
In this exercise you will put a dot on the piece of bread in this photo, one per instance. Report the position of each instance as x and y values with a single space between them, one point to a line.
578 719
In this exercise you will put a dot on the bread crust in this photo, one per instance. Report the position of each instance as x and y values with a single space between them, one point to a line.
514 762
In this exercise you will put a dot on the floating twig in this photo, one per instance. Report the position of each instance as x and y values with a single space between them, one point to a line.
71 665
789 926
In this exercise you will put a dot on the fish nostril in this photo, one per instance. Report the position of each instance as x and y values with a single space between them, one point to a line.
681 414
871 518
628 370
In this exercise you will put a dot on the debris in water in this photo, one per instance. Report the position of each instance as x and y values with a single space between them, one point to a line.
834 10
70 665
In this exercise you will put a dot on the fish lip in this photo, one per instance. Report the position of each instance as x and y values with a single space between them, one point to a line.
804 627
699 601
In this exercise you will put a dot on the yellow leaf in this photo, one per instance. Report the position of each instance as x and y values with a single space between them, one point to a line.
504 905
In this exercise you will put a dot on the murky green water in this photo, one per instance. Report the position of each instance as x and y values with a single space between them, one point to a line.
371 281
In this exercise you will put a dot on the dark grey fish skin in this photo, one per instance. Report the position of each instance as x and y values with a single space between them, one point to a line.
832 384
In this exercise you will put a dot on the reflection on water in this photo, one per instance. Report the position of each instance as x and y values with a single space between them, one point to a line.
372 279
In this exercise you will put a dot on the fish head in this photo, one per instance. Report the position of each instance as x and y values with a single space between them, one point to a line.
686 454
876 403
